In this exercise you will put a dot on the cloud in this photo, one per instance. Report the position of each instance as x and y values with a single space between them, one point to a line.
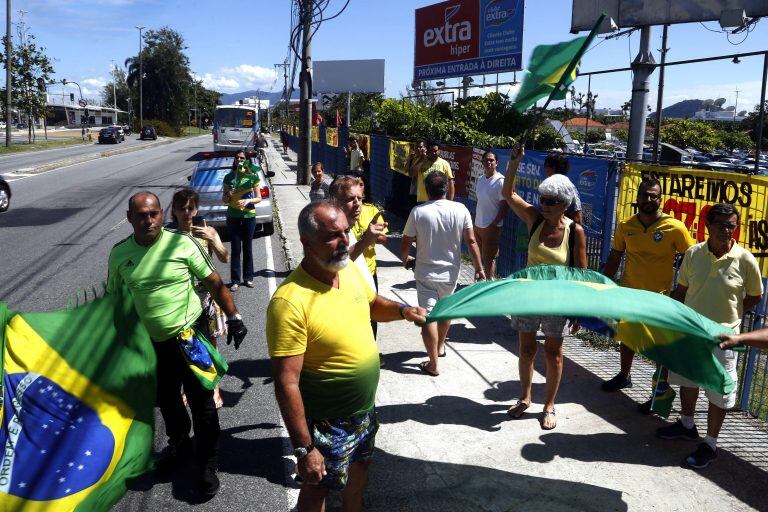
241 77
92 87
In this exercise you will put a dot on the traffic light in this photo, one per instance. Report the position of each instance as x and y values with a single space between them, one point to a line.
72 97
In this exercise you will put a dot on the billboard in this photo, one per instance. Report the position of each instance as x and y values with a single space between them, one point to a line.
348 76
638 13
468 37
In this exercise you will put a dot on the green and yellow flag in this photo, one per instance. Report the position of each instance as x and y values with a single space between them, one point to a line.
664 330
78 391
552 69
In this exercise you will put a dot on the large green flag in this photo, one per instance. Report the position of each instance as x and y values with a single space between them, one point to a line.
78 391
552 69
662 329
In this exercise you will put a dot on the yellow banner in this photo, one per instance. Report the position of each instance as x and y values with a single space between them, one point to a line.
315 134
364 141
332 137
399 153
687 195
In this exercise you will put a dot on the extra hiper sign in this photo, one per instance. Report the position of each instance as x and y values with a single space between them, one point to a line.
468 37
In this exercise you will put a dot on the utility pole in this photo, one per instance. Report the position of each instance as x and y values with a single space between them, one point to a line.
465 86
660 98
114 86
8 78
284 65
642 68
141 79
305 86
197 117
736 105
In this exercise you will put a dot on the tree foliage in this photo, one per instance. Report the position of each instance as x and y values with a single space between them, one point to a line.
117 86
752 120
685 133
166 77
31 71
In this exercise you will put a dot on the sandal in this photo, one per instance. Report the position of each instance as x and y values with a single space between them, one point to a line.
423 368
548 420
517 410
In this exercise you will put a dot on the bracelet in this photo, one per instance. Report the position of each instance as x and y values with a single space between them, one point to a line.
402 308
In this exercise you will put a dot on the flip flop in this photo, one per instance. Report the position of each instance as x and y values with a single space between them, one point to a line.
423 368
548 414
441 355
516 411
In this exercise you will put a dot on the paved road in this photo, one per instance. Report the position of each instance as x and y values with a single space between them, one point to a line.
21 161
55 241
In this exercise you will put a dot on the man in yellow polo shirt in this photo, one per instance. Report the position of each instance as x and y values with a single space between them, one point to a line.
648 241
325 360
720 280
433 162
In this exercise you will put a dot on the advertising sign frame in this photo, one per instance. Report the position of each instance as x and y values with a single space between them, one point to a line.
468 37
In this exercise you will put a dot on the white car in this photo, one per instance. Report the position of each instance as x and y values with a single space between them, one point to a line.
207 180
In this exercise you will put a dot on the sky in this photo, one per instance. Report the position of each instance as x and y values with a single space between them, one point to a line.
233 46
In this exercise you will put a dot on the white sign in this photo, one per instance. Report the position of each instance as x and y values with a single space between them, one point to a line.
348 75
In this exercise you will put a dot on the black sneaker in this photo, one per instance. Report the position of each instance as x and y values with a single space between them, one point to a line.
174 454
617 383
209 482
702 457
678 431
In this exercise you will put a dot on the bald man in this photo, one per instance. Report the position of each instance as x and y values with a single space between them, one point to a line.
157 266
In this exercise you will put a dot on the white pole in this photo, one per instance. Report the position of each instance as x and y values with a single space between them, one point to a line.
349 108
114 87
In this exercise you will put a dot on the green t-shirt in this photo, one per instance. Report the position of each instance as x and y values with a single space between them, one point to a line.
160 279
242 185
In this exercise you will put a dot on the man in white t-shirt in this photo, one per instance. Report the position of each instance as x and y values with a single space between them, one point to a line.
490 212
438 227
355 155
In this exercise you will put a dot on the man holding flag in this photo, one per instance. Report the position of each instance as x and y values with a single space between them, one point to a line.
156 266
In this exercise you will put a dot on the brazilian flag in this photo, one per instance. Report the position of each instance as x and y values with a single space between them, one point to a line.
552 69
662 329
78 390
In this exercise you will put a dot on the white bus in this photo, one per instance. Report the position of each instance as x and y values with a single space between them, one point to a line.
235 127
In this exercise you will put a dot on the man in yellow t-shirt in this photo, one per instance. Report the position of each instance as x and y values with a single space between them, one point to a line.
433 162
648 241
327 369
720 280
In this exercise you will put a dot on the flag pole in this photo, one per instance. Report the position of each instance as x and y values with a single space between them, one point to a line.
568 70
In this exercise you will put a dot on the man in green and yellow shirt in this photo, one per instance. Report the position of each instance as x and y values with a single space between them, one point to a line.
327 369
432 162
157 267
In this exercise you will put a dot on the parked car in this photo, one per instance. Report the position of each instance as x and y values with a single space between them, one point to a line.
148 132
127 129
5 195
109 135
602 153
207 180
120 131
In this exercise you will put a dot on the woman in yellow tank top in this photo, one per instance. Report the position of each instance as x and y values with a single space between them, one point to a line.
554 239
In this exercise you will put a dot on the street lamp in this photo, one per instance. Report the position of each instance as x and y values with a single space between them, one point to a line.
114 87
141 79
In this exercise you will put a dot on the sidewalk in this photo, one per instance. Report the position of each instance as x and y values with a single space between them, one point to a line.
447 444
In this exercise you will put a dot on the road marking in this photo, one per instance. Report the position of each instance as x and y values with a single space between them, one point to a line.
117 225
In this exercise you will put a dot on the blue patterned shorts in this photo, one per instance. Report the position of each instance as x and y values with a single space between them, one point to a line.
343 441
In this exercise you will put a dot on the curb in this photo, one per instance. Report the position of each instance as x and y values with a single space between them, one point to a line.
87 158
290 260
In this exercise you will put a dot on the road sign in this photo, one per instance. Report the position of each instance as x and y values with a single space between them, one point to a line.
82 103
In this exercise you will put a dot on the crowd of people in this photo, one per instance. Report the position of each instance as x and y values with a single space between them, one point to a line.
326 371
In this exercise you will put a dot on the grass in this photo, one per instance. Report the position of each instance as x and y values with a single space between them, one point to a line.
193 131
41 145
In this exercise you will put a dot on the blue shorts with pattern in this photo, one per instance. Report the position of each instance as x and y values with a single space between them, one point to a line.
342 441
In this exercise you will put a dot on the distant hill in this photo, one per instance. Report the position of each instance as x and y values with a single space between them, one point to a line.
682 109
273 97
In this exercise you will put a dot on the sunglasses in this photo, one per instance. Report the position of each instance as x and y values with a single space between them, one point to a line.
548 201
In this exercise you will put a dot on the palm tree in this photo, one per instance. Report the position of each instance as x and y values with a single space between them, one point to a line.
132 63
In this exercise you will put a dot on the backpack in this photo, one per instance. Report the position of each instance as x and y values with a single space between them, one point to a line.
571 239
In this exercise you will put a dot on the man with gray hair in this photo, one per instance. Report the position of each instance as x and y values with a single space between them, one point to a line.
438 226
326 371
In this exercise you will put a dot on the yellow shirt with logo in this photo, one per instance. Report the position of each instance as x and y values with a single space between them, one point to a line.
717 286
650 251
331 327
367 214
438 165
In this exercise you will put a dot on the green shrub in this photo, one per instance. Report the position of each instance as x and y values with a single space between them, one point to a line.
163 128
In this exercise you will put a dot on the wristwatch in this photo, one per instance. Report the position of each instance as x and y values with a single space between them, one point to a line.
302 451
236 316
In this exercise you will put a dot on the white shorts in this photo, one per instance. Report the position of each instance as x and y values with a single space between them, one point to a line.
551 326
728 359
429 292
